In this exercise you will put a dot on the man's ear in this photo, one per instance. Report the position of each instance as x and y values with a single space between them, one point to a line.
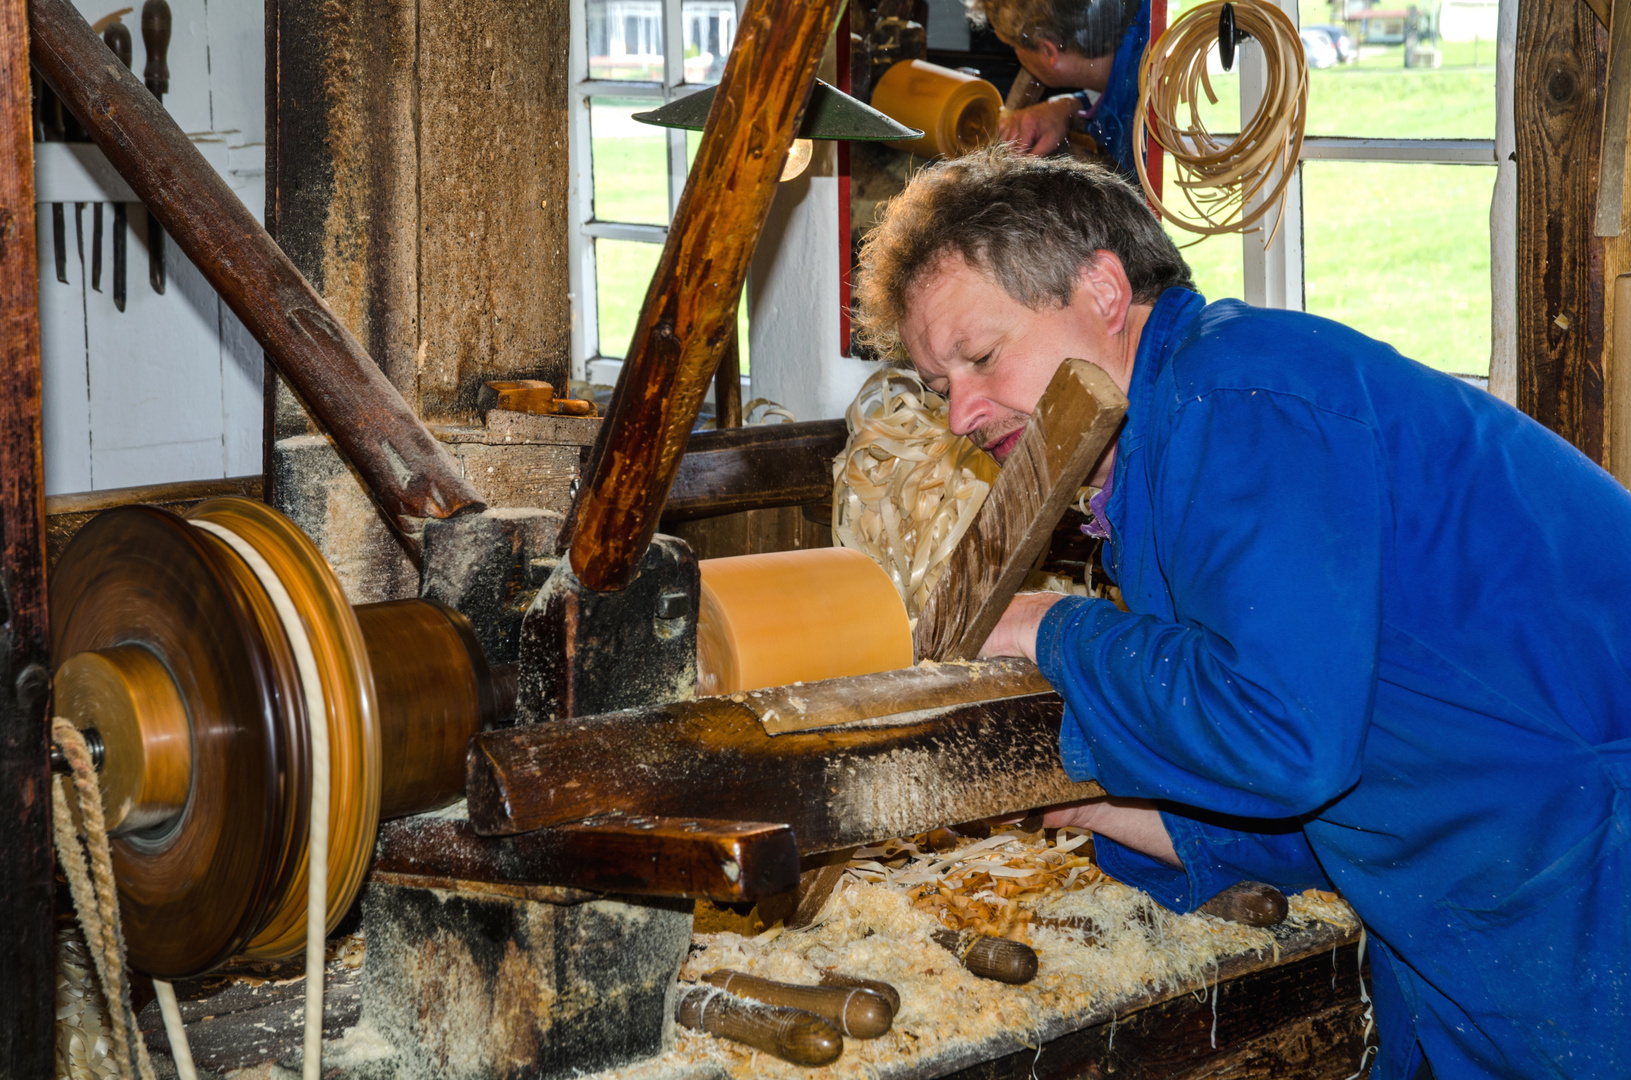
1050 54
1103 282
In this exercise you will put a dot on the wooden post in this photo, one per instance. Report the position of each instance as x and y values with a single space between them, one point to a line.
407 470
728 384
690 308
1560 73
28 962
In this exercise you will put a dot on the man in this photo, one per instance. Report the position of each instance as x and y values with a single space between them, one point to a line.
1083 45
1378 627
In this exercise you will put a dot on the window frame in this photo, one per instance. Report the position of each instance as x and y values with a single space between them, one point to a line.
1273 274
584 227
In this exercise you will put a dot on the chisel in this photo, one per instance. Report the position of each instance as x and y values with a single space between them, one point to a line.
117 38
156 74
52 129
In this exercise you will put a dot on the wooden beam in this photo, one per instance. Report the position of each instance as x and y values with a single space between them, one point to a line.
712 758
1560 73
28 962
755 468
1078 416
728 384
725 861
690 308
410 474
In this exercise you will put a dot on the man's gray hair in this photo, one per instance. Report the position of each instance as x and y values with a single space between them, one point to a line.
1089 27
1030 223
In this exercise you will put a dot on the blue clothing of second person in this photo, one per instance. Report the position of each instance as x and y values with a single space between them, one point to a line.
1378 639
1110 120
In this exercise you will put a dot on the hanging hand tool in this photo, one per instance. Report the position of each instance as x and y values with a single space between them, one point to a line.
117 38
156 74
52 129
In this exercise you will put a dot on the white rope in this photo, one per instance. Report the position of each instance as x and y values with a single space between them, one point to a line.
173 1028
317 722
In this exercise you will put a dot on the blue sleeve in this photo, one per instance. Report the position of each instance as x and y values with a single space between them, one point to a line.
1268 516
1216 854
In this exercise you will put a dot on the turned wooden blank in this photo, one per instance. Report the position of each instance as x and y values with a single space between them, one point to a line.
1078 416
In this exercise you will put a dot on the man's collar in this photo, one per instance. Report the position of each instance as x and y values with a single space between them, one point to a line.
1162 332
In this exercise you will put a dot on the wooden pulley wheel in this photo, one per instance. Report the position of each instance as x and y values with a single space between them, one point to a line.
335 643
134 583
202 649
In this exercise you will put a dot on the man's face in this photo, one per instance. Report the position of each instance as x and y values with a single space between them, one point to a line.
989 354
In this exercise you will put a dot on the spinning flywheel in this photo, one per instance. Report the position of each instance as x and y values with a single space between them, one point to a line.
201 648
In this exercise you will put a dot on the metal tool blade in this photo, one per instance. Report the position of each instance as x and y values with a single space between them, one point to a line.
156 76
96 247
59 241
119 240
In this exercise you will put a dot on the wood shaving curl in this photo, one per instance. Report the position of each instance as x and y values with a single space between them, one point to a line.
905 488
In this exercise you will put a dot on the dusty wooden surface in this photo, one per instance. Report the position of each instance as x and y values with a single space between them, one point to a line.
1561 69
407 470
1079 414
836 787
690 308
758 467
726 861
28 967
416 162
1302 1020
832 702
728 385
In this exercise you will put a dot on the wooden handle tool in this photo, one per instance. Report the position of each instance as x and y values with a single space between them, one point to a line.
156 75
855 1011
117 38
1250 903
832 977
990 957
791 1034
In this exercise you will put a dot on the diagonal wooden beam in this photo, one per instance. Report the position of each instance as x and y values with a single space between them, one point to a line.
690 308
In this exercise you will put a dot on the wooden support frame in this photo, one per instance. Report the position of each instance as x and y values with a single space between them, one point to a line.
28 962
1563 317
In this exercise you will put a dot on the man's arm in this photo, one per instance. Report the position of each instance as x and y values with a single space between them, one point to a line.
1269 516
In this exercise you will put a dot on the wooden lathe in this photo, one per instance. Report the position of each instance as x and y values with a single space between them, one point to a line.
557 695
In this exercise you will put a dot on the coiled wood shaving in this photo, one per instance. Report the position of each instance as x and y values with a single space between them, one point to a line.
84 1038
1219 175
990 886
905 488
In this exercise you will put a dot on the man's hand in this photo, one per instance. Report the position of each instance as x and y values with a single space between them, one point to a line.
1038 129
1015 632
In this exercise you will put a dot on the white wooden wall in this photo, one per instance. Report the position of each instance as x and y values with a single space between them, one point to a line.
171 388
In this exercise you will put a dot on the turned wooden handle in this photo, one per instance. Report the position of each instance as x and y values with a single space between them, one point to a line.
793 1035
857 1012
831 977
1250 903
990 957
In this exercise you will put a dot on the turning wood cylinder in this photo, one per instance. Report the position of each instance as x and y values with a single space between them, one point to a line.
797 616
957 112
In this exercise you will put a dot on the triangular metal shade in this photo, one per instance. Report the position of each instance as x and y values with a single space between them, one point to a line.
831 114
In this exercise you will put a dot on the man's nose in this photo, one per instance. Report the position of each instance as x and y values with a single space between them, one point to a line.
966 410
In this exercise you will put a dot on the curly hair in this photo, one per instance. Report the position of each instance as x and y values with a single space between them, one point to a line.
1030 223
1090 27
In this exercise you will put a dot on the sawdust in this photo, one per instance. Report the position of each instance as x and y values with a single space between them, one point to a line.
873 928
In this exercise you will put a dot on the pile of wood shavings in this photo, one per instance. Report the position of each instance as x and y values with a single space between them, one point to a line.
873 927
990 886
905 488
84 1032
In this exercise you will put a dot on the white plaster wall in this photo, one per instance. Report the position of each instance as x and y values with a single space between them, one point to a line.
793 299
171 388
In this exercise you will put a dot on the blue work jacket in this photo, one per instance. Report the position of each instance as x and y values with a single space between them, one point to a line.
1378 636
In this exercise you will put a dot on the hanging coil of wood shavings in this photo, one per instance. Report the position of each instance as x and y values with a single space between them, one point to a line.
1229 182
905 488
